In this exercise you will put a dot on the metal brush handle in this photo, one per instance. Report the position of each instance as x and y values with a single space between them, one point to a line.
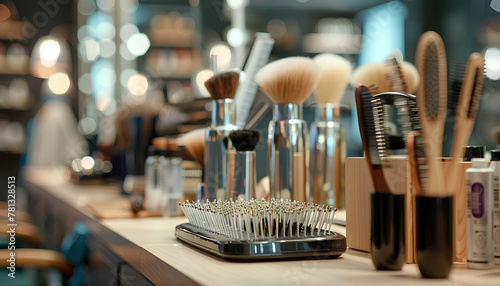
326 157
288 153
216 153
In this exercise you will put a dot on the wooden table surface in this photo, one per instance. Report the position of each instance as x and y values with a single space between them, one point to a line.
155 236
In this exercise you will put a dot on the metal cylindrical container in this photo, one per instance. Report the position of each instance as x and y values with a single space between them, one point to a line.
288 153
217 155
327 157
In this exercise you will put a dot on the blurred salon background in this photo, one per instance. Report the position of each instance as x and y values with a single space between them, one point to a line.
87 84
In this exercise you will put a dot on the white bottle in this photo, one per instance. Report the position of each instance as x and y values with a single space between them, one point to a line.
479 215
495 165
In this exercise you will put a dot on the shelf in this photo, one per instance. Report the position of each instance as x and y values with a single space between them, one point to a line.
15 31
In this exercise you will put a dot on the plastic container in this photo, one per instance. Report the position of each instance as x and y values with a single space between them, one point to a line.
479 215
495 165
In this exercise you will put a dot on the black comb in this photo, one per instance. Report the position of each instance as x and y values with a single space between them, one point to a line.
370 119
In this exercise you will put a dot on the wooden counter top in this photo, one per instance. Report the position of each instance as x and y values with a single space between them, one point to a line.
149 246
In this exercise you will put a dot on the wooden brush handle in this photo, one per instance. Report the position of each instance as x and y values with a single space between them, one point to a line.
377 173
464 122
410 148
431 64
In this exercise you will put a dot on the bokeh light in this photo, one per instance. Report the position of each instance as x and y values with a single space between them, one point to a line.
59 83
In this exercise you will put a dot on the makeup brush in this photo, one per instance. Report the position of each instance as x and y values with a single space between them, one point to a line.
370 119
218 160
223 84
431 104
288 82
371 75
245 140
245 181
327 146
194 144
334 74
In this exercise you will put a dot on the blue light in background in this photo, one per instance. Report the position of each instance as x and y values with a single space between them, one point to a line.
383 32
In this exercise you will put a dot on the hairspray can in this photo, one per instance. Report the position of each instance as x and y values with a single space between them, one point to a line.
479 209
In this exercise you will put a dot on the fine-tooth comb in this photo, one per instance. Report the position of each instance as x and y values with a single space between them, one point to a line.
261 230
370 119
431 103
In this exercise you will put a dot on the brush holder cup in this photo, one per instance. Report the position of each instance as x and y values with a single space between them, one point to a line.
288 153
327 157
219 157
387 231
434 219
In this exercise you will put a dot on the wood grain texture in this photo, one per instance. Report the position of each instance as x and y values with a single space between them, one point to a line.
118 208
457 180
359 185
149 246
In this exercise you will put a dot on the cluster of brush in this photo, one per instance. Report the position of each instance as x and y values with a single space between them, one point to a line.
260 220
434 196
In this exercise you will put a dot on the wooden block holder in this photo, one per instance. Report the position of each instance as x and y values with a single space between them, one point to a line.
359 185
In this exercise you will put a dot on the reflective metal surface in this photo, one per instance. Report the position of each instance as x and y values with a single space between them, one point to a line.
329 245
244 176
218 158
327 151
288 153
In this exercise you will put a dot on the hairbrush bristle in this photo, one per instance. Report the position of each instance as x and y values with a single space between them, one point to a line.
245 140
431 57
372 76
334 74
477 62
223 84
258 220
194 144
289 80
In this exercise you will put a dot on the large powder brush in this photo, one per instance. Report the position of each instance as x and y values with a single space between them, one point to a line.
391 75
334 75
289 80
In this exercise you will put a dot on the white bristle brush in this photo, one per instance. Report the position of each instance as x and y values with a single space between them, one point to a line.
334 75
259 220
372 76
379 77
288 80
